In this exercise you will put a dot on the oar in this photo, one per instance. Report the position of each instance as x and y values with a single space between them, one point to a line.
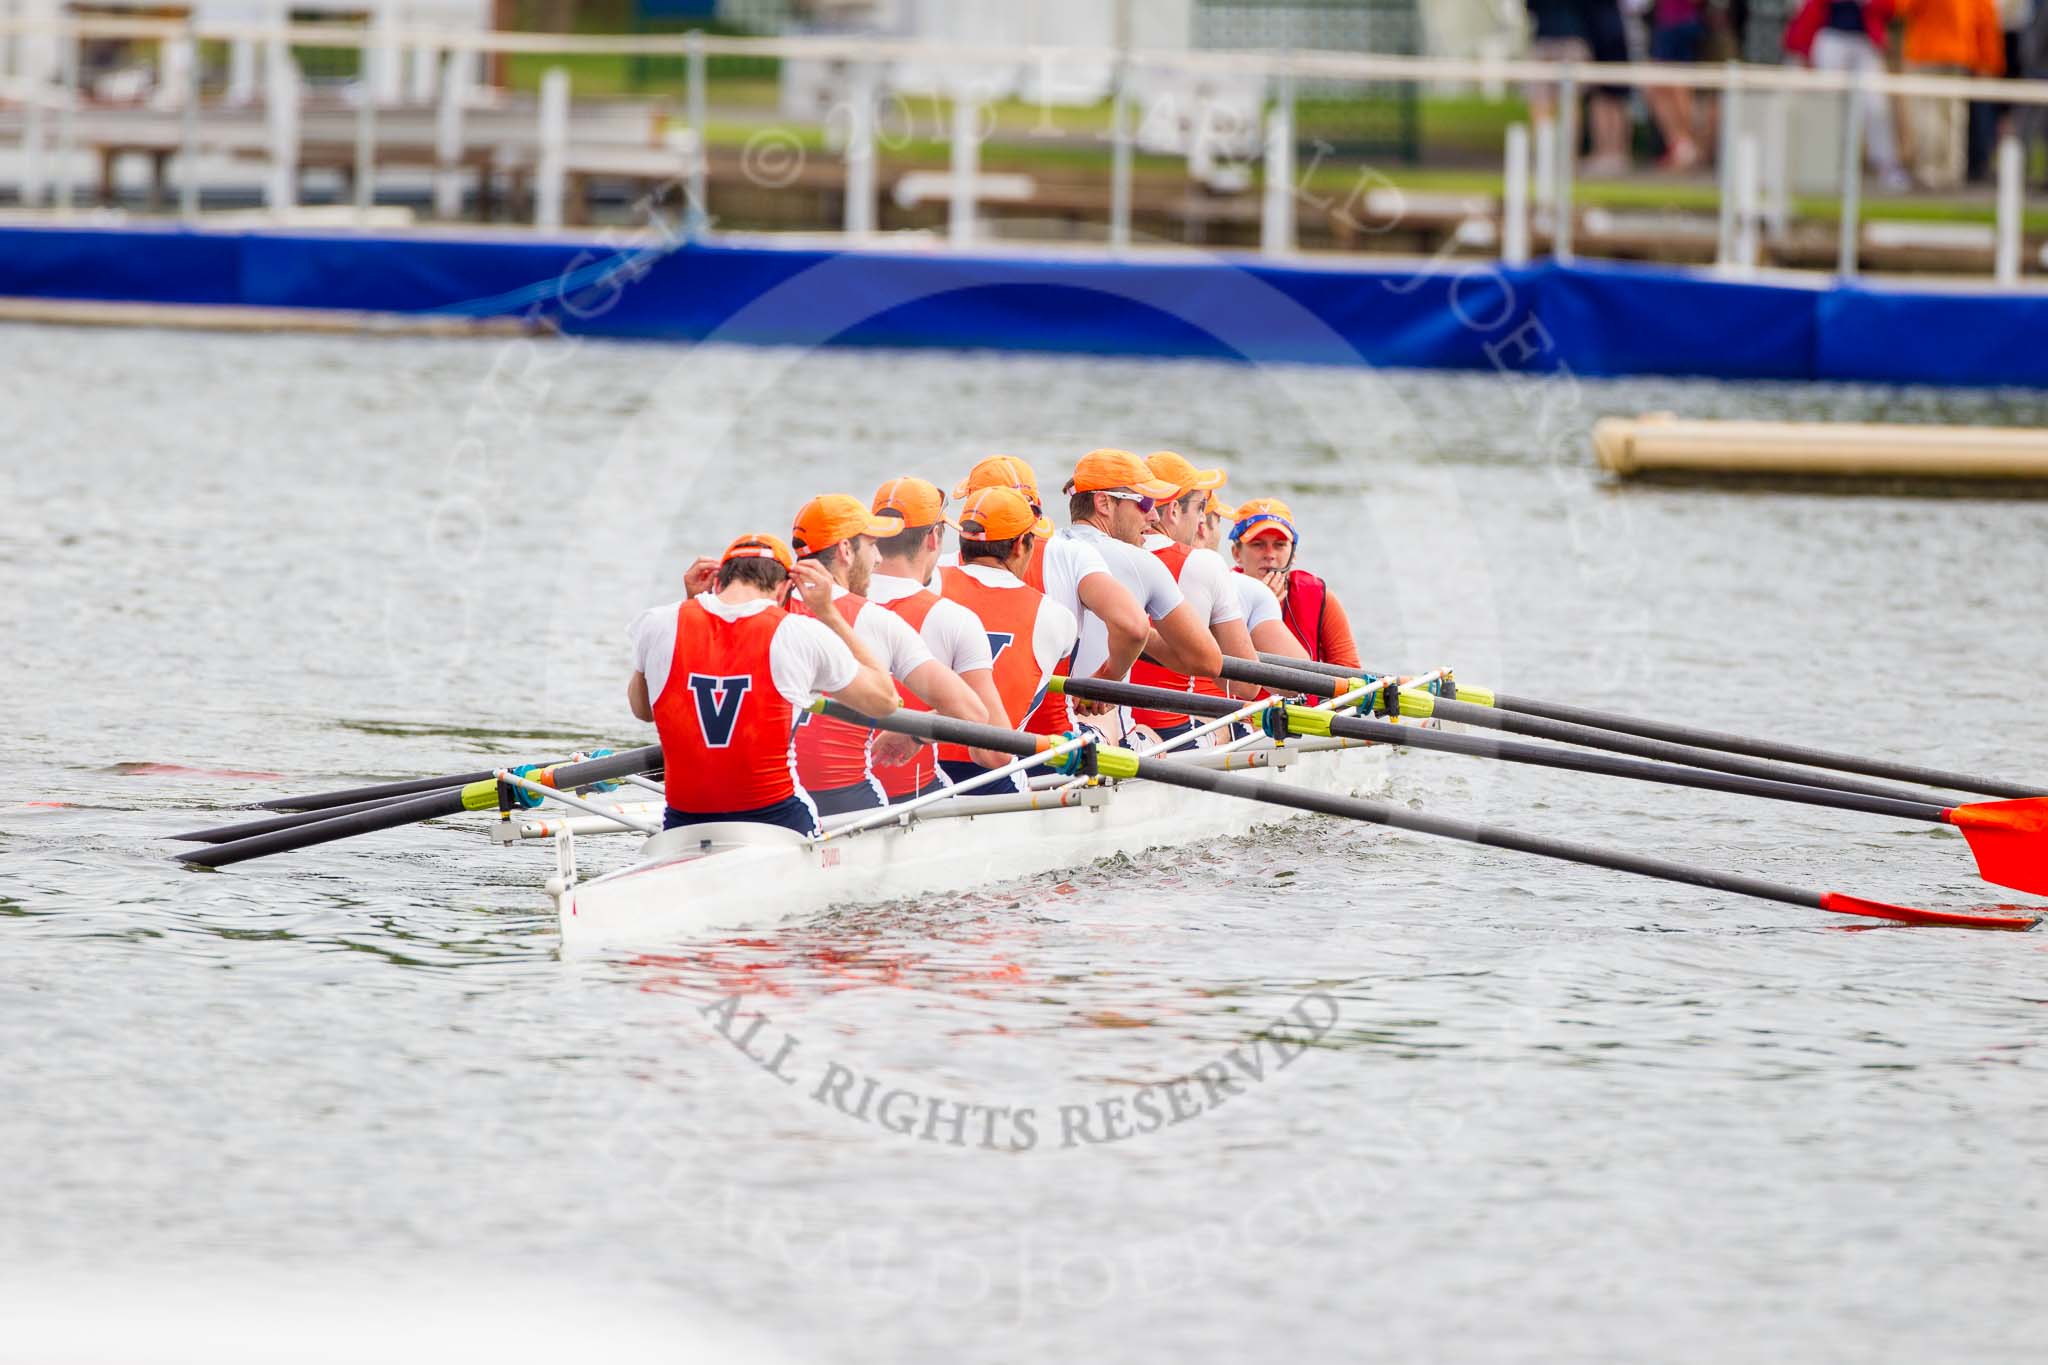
1419 704
354 797
2009 838
480 795
220 834
1122 763
1708 739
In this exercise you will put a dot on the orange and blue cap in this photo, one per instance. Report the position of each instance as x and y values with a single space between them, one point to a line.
1263 517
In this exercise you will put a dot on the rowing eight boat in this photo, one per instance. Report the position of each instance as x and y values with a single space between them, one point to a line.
745 876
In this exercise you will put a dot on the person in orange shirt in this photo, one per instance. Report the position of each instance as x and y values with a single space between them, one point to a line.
1264 542
1947 38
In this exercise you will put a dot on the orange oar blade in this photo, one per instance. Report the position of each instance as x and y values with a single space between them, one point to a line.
2010 839
1906 914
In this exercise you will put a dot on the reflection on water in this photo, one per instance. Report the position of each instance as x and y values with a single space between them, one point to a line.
1549 1104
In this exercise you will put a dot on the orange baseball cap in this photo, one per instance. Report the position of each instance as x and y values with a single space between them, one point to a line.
758 545
998 514
1005 471
1262 517
1108 469
1218 508
1175 469
831 518
917 502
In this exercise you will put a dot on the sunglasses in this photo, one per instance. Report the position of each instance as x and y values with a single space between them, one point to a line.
1145 504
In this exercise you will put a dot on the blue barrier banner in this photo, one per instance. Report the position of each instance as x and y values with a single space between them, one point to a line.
1594 319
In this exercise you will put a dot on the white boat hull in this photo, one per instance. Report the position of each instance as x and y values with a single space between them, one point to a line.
712 878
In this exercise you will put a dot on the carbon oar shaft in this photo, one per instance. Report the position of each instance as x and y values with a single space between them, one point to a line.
1507 750
382 791
1727 743
479 795
1420 705
221 834
1115 762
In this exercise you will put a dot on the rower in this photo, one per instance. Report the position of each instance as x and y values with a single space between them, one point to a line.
1204 579
1269 633
1111 498
1073 575
723 675
1264 541
835 761
1029 633
955 636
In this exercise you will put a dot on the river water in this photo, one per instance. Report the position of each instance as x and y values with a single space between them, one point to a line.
1553 1113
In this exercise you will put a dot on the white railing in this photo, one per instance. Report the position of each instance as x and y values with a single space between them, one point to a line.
1742 162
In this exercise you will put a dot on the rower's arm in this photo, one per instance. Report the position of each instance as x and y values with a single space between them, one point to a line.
1121 617
872 692
1338 646
1273 637
982 683
1181 641
1236 642
949 694
946 692
636 696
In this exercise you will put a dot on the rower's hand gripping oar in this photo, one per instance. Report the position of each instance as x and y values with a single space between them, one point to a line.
1113 762
2009 839
480 795
1704 739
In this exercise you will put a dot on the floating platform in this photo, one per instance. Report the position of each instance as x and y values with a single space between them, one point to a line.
1661 445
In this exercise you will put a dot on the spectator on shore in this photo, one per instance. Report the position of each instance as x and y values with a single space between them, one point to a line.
1608 104
1991 120
1678 33
1582 31
1947 38
1560 35
1851 35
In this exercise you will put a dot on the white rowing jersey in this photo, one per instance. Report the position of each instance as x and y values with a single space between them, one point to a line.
1064 565
805 658
897 646
1204 580
1258 601
953 634
1142 575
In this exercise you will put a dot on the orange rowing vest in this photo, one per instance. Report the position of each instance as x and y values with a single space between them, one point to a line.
831 754
910 778
1174 557
1010 616
724 727
1051 716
